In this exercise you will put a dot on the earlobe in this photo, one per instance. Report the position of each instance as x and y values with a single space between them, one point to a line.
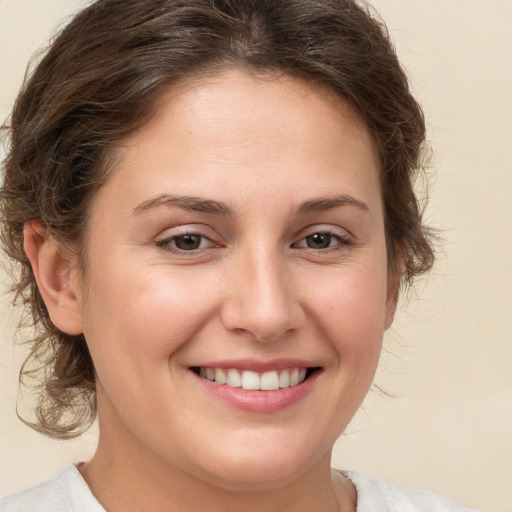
56 278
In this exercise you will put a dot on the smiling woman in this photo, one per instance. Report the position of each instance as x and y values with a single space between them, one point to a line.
162 300
211 208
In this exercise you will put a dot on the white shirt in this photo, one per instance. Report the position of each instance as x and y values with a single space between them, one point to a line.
68 492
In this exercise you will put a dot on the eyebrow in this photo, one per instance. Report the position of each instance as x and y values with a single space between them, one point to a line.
198 204
327 203
190 203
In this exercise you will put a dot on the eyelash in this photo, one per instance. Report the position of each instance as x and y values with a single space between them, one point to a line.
342 241
169 243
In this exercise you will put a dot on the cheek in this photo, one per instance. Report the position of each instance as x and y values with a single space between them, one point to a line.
145 316
354 299
350 310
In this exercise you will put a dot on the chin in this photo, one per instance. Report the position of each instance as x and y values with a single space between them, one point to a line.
247 477
258 466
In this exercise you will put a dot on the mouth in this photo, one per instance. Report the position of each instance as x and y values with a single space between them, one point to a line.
256 381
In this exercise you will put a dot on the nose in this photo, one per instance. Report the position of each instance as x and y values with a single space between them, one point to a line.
262 300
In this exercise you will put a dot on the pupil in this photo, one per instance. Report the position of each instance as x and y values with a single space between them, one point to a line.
319 241
188 242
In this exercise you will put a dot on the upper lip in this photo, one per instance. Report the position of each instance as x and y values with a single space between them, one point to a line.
258 365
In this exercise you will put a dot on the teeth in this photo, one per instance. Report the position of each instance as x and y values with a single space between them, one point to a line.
294 377
284 379
250 380
269 381
220 376
234 380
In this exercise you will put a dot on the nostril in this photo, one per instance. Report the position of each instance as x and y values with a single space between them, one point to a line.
264 306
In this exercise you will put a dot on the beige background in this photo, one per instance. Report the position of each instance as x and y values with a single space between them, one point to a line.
448 362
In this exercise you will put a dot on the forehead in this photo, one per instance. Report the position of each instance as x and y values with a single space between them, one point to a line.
261 98
241 132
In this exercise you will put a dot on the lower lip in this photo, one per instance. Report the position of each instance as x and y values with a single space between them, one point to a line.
259 401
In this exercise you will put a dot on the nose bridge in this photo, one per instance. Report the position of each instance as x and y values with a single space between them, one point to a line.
262 300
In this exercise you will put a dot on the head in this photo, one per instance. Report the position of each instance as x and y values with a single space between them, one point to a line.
106 77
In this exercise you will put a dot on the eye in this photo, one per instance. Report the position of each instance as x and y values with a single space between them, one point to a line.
323 240
185 242
319 240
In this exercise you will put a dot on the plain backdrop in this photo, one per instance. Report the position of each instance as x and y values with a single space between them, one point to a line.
448 357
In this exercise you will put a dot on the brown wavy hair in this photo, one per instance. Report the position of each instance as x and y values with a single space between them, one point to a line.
99 81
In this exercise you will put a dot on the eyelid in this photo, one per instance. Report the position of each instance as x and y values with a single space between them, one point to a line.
165 238
167 243
185 229
344 237
324 228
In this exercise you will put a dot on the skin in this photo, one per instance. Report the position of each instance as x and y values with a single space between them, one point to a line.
255 288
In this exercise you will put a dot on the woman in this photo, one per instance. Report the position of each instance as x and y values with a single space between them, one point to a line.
211 207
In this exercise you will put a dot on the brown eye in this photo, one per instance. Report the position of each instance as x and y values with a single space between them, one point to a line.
322 240
319 240
188 242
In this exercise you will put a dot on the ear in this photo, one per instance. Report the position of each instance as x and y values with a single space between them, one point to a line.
56 277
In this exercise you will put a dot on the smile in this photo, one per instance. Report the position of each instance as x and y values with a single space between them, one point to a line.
256 386
251 380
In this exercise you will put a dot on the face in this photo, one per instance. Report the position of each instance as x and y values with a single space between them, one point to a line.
240 238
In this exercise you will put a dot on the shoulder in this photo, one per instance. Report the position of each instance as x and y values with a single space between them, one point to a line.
375 495
67 492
